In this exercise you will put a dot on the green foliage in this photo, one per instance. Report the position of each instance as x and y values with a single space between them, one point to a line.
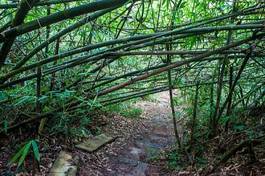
177 160
174 160
149 98
74 124
80 131
132 113
21 155
5 125
125 110
90 67
25 100
3 96
71 125
239 127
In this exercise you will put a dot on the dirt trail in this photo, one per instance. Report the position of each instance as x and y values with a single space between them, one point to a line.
143 140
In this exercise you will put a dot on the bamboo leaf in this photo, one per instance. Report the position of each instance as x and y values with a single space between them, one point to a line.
24 154
5 125
17 155
35 150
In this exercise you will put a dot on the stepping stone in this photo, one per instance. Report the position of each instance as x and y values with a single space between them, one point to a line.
93 144
63 165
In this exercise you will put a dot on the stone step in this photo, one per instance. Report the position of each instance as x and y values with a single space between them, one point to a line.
93 144
64 165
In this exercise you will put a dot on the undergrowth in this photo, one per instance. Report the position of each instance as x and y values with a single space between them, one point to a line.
126 110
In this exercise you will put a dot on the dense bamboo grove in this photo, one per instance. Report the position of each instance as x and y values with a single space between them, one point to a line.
58 57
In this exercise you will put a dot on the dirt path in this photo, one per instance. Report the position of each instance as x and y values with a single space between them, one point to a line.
140 141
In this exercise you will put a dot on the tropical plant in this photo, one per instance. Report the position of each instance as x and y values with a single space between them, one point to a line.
21 155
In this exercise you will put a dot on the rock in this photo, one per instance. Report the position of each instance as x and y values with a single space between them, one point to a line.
63 165
93 144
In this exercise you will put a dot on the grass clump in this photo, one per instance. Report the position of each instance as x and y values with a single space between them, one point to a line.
126 110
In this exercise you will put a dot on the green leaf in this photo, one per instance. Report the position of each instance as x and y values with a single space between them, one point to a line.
24 154
17 155
239 127
5 125
35 150
24 100
2 96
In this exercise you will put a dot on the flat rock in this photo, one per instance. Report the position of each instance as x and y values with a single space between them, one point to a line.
93 144
63 165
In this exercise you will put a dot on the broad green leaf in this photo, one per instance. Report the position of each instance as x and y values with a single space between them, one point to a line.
35 150
17 155
24 154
